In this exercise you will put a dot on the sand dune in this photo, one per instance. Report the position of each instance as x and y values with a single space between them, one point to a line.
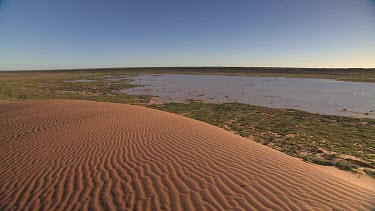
63 155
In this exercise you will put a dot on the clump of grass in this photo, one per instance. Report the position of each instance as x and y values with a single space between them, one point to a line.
319 161
345 166
341 164
371 173
330 156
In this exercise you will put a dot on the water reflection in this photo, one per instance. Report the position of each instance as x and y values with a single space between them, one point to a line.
313 95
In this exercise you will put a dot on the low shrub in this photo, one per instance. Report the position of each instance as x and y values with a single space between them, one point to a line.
344 165
371 173
341 164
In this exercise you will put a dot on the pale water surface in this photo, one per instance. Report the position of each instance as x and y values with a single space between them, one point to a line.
314 95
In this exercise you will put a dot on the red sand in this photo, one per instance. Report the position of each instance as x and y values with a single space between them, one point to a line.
63 155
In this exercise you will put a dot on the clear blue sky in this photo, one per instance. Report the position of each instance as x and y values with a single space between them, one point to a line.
47 34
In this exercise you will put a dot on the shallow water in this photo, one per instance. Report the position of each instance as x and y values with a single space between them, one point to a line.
314 95
80 81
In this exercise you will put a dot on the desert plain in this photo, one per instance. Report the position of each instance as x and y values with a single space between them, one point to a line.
61 152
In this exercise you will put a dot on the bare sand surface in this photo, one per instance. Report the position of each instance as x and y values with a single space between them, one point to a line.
70 155
362 180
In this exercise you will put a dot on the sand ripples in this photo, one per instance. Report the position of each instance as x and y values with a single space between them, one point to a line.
68 155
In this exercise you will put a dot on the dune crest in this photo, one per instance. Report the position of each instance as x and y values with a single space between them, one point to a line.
64 155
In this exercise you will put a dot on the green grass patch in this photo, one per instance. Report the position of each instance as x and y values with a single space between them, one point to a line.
97 90
341 164
370 172
342 74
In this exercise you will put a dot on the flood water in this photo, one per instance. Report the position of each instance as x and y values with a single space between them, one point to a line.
323 96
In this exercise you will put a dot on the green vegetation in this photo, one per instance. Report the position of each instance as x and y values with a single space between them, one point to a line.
370 172
341 164
344 142
98 89
342 74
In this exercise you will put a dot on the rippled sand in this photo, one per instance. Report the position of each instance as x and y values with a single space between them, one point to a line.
70 155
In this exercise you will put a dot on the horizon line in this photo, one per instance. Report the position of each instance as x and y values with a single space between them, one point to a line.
148 67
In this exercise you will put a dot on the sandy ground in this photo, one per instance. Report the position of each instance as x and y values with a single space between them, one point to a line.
362 180
69 155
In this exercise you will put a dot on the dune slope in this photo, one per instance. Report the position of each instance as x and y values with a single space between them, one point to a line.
63 155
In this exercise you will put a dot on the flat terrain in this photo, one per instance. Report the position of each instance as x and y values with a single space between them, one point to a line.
342 74
324 96
347 143
63 155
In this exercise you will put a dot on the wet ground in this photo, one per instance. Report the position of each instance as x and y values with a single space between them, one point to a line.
313 95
